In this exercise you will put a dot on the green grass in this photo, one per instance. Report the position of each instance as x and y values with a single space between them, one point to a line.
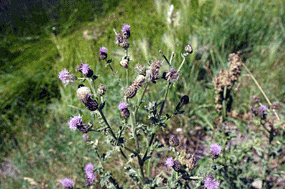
34 104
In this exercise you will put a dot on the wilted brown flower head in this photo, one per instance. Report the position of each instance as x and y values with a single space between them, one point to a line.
154 70
226 80
101 90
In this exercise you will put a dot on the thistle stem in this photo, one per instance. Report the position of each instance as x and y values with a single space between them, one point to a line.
183 61
164 98
165 58
140 100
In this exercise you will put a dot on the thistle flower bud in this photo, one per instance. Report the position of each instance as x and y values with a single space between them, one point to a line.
276 105
124 44
83 128
125 113
101 90
103 53
184 100
94 77
173 141
131 91
124 63
189 49
91 104
172 75
141 69
177 166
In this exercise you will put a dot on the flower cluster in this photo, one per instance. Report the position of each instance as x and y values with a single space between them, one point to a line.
121 38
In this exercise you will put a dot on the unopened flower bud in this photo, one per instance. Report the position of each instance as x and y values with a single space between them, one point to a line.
125 44
173 141
124 63
91 104
101 90
189 49
131 91
125 113
94 77
184 100
177 166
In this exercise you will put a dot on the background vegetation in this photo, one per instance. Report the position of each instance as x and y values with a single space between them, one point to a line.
38 150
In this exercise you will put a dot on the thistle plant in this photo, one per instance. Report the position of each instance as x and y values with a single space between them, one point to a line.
127 137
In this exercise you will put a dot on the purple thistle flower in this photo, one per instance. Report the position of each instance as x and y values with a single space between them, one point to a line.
126 28
122 106
103 53
65 77
216 149
210 182
67 183
169 162
89 168
74 122
262 110
126 31
85 68
89 174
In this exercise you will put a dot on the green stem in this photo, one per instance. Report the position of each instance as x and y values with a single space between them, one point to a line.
164 97
224 104
140 100
183 61
106 122
165 58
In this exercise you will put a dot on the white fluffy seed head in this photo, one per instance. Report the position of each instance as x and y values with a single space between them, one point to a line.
83 93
